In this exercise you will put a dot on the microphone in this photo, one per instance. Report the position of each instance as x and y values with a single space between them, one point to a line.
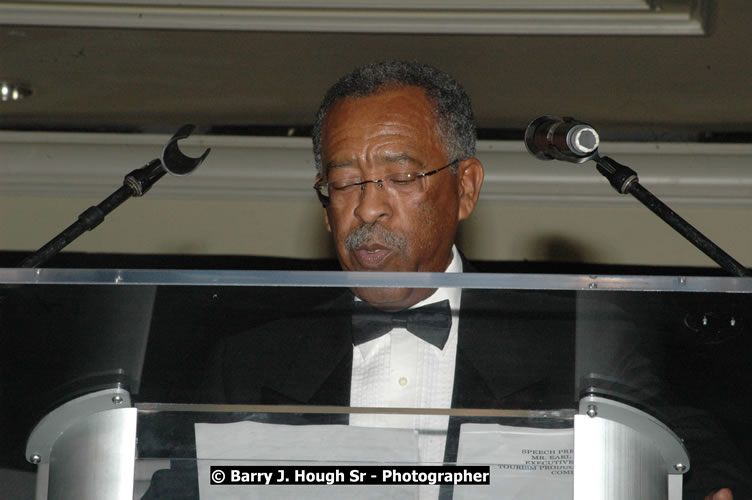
567 139
136 183
553 138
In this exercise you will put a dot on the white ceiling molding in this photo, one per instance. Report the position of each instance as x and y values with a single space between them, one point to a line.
389 4
543 17
281 168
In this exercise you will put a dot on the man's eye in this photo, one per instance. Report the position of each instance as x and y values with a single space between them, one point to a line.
403 179
343 185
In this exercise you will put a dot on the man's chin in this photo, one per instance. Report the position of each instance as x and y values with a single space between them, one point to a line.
392 299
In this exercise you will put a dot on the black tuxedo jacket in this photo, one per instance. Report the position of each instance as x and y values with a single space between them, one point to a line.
515 350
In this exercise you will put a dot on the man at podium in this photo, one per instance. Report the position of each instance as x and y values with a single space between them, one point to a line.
394 145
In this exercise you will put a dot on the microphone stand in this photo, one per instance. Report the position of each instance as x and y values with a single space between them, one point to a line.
136 183
625 181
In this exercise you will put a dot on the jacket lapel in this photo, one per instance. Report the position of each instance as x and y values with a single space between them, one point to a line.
323 352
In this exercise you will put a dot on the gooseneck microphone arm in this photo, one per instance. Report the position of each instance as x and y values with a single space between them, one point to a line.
542 139
625 181
136 183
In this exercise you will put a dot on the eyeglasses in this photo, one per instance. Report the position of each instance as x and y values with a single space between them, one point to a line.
341 190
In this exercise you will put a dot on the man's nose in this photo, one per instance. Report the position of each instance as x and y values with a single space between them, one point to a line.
374 202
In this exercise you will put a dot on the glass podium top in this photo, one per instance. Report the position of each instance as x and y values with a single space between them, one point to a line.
22 276
526 341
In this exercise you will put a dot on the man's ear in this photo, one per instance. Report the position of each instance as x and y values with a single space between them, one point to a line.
326 219
470 179
326 212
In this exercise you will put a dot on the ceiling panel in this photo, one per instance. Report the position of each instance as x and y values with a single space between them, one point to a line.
630 87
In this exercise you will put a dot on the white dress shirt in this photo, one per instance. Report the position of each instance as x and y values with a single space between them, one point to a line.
402 371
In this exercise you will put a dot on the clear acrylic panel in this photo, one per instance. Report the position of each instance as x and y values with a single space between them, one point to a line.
672 347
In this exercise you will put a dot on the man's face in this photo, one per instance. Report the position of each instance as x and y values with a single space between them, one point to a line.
377 229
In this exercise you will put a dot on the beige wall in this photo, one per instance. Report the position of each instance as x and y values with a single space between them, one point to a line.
625 234
285 228
621 233
253 196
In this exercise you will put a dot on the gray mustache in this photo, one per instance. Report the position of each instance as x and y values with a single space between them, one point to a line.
368 232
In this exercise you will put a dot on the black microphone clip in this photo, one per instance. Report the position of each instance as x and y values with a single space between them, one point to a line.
566 139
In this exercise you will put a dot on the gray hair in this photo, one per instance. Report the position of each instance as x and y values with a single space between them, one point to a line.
453 110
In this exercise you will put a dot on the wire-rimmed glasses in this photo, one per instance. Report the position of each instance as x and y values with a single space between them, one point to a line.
341 190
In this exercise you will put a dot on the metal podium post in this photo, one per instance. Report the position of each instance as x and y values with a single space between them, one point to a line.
621 453
86 448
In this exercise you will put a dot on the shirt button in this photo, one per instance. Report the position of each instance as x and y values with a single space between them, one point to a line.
403 381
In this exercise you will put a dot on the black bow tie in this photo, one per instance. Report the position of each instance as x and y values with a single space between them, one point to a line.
430 322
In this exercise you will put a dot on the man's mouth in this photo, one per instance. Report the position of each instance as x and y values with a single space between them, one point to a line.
372 256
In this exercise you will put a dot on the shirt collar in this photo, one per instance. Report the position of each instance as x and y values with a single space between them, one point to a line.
452 294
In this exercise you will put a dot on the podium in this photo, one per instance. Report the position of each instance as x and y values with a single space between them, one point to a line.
108 379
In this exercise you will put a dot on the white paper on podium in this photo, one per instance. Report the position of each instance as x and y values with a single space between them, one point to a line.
253 443
526 463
